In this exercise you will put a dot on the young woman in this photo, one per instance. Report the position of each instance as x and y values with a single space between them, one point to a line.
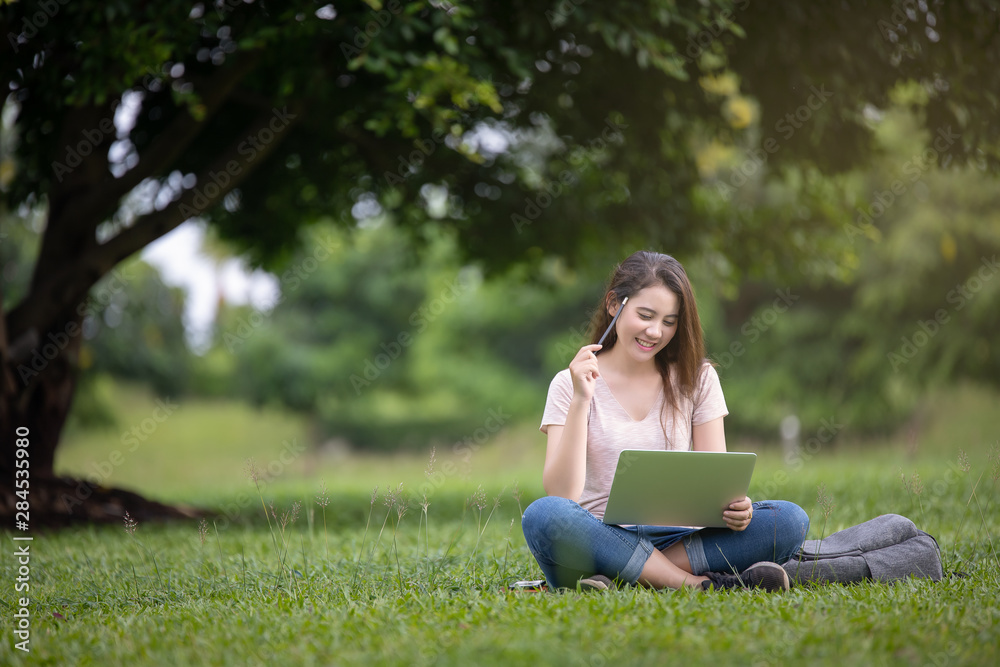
649 386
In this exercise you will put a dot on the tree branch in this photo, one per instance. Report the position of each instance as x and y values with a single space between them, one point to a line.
169 144
70 284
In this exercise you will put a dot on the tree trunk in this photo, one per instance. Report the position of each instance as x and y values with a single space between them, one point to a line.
44 378
39 379
40 337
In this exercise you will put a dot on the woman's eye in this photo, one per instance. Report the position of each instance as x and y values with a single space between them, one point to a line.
669 324
644 317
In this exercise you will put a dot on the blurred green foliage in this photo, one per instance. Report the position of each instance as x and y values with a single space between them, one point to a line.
135 329
918 305
391 346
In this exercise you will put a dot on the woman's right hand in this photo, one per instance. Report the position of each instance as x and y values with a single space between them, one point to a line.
584 371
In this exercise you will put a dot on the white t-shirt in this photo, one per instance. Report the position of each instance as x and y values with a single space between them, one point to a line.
610 429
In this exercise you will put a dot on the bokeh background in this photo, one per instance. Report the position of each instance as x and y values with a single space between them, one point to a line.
403 215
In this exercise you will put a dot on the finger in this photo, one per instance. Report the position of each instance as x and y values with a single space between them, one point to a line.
735 525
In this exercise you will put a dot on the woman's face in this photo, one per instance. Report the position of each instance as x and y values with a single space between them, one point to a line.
648 322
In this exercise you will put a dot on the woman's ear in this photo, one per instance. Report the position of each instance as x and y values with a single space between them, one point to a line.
612 303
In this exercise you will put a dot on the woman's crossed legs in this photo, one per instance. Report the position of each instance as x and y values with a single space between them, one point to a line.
570 543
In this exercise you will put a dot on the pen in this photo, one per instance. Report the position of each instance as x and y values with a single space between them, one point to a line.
613 320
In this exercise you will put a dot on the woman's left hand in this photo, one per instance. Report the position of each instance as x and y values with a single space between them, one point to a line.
739 514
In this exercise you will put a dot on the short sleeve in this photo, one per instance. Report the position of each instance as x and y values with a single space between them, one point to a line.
558 400
709 403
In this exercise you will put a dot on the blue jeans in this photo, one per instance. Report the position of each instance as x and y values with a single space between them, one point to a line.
570 543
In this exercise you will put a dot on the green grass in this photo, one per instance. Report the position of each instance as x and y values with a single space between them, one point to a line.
198 454
196 451
433 593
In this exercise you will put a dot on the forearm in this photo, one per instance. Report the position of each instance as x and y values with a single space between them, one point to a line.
565 469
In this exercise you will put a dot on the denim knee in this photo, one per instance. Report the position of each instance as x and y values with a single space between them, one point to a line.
793 525
538 512
539 519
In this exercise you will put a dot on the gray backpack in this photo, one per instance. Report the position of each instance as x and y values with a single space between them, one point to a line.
886 548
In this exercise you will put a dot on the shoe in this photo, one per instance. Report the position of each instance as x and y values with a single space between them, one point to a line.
764 575
597 582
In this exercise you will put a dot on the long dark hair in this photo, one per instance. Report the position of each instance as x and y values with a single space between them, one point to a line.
685 353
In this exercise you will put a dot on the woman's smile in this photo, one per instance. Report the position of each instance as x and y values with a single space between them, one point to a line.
645 345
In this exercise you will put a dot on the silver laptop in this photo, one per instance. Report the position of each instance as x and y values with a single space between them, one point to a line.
671 488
